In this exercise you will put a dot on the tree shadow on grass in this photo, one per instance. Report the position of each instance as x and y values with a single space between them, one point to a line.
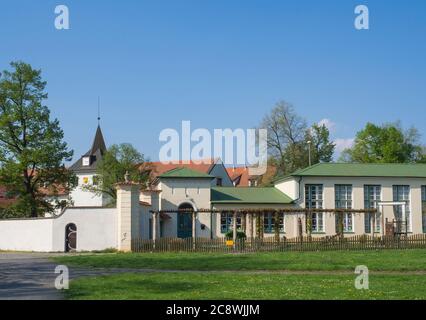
131 287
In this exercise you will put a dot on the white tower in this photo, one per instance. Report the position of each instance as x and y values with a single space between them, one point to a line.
85 170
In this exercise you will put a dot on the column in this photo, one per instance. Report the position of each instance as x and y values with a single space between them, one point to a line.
234 228
194 228
128 215
250 225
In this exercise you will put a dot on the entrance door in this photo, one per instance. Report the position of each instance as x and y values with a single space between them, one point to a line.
184 222
70 237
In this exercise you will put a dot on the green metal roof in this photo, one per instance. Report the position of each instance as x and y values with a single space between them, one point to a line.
183 172
249 195
362 170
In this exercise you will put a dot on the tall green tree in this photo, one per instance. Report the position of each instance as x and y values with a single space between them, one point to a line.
387 143
116 162
32 150
288 137
322 148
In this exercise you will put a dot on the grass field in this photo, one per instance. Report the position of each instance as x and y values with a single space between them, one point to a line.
321 275
386 260
158 286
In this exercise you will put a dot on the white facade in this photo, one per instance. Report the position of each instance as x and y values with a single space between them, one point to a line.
292 187
81 197
177 192
96 230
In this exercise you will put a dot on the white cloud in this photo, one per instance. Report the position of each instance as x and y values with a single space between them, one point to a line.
342 144
330 125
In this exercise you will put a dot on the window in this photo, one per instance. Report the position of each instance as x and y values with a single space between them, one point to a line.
343 197
314 200
402 193
424 208
372 197
95 180
86 161
252 183
269 223
226 221
219 182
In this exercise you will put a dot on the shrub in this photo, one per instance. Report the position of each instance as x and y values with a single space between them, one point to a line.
240 235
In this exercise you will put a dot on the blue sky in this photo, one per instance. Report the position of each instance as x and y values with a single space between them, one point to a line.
220 64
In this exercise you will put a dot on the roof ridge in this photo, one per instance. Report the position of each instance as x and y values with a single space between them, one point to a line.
195 173
308 168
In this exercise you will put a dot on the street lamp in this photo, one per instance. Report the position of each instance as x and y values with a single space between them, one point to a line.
309 142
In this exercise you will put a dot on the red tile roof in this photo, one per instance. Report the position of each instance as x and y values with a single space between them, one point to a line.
158 168
240 175
4 200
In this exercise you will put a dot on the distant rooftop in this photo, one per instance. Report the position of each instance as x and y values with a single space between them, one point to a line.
362 170
249 195
184 172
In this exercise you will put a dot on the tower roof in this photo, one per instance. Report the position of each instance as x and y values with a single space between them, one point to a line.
94 154
98 142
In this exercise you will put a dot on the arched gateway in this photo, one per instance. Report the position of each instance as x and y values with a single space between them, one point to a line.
70 237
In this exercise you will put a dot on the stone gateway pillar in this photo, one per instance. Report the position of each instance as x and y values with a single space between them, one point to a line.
128 220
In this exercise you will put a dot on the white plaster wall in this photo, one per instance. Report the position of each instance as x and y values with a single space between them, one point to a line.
26 235
84 198
289 187
175 192
96 228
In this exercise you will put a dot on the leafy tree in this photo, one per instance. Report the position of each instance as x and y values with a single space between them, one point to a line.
288 136
285 131
115 163
322 149
32 150
385 144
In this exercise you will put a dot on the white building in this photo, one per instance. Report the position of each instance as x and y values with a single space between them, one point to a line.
398 191
85 170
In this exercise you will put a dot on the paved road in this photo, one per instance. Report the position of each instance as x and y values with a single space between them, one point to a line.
31 276
27 276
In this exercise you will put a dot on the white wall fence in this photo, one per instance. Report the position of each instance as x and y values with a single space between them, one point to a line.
96 230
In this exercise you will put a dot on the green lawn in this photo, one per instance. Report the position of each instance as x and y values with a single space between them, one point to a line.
205 286
208 279
385 260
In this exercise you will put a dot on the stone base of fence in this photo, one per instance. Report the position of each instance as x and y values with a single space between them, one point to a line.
360 242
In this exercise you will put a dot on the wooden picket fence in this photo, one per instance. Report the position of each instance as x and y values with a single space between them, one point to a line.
359 242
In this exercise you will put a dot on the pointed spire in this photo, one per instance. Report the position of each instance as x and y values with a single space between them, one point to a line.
98 142
99 111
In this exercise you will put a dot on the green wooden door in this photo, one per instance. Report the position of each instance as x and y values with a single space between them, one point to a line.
184 224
